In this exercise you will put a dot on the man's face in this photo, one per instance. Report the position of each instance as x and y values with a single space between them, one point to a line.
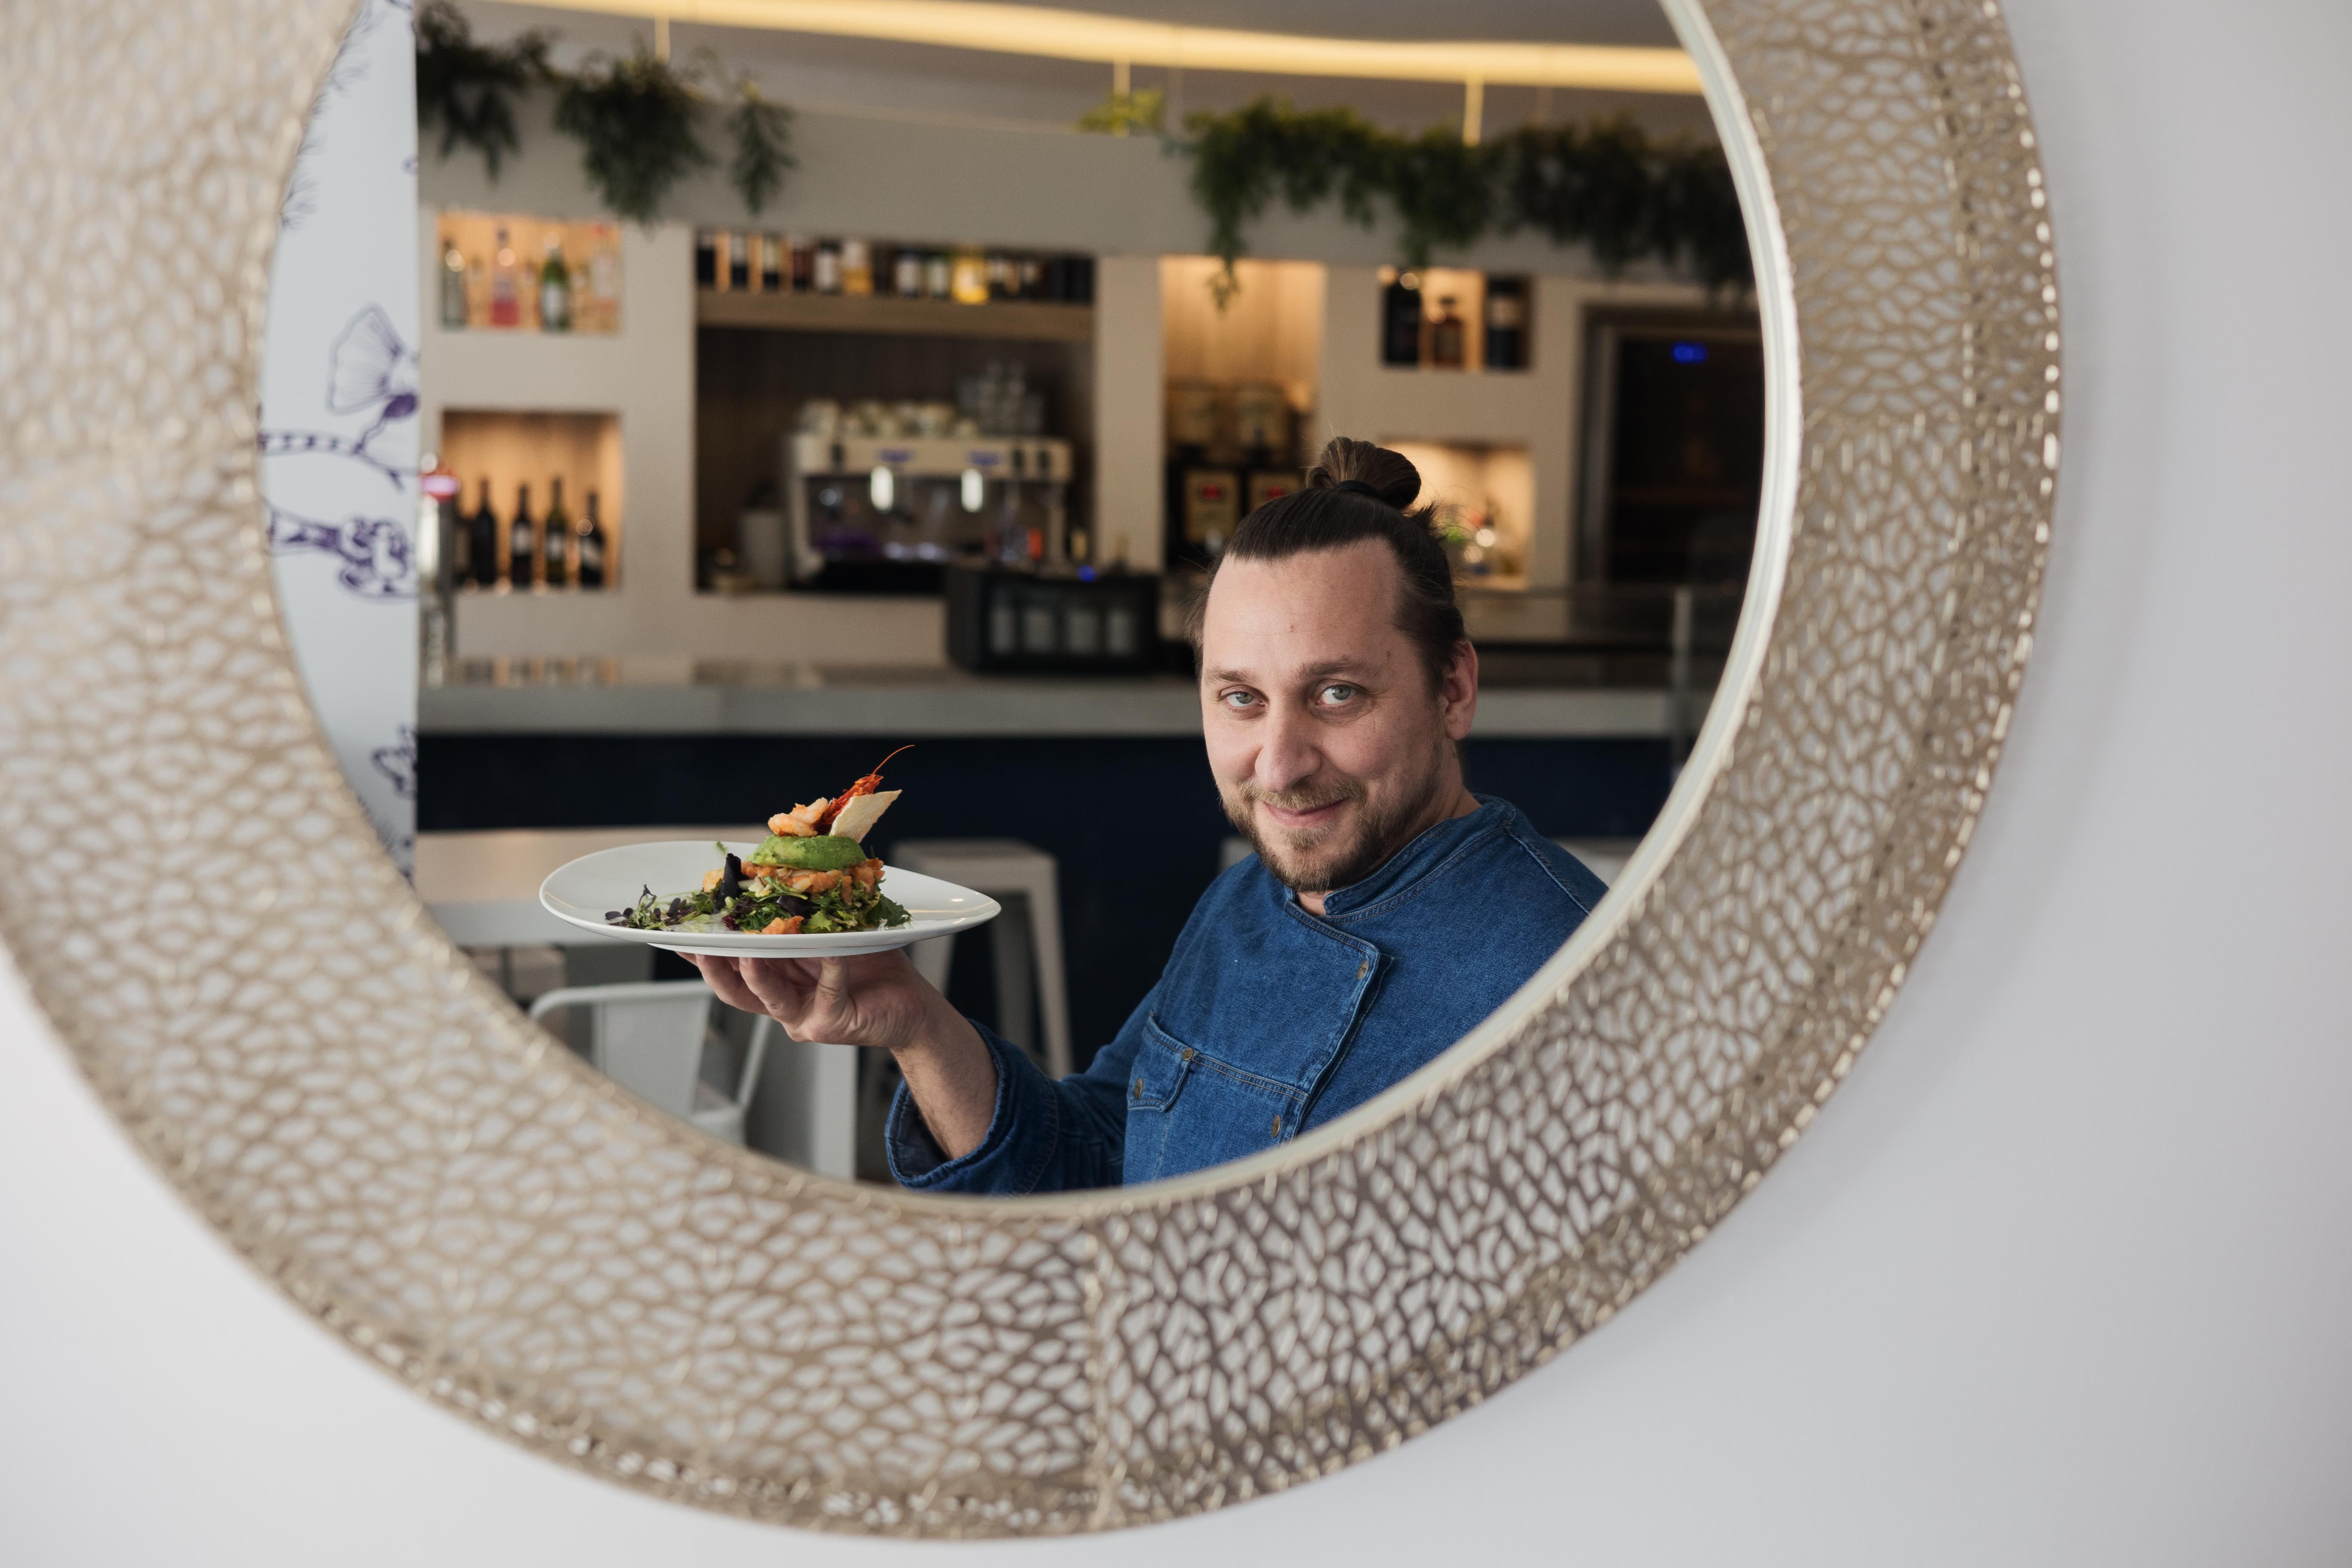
1329 748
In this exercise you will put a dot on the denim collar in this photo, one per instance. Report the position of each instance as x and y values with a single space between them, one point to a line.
1416 860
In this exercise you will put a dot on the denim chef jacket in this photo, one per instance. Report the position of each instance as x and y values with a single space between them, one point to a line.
1268 1020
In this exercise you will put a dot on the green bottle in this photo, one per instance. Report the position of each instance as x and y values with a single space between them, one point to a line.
554 289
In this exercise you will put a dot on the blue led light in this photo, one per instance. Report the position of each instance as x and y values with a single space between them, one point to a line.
1690 354
1085 574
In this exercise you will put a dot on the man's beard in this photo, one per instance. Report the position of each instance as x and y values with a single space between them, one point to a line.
1344 853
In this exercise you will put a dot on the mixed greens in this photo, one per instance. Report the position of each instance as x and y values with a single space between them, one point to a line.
766 897
813 875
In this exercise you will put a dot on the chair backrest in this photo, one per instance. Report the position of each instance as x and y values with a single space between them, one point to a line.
647 1037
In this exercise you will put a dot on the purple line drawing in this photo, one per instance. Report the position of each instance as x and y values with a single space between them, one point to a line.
398 763
377 561
369 368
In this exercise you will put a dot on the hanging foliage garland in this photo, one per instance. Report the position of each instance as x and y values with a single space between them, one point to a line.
468 89
636 117
1607 185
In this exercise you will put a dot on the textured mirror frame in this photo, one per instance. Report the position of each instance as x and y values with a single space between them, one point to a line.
313 1066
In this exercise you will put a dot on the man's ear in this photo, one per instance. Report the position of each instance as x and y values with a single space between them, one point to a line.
1458 694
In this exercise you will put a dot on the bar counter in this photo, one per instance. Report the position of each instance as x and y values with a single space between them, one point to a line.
678 697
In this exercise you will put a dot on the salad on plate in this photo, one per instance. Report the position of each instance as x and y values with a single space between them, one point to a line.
812 875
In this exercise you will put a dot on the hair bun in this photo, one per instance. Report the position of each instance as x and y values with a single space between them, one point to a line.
1390 474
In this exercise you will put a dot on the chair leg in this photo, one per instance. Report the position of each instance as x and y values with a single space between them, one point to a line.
1011 943
1052 979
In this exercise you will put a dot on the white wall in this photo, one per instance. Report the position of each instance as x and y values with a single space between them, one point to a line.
2062 1275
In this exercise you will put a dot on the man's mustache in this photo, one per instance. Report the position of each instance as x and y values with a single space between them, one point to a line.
1302 799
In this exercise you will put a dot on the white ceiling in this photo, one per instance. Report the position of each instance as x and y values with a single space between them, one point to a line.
852 73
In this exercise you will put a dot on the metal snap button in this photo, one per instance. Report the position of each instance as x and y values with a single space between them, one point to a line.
1278 1127
1188 1053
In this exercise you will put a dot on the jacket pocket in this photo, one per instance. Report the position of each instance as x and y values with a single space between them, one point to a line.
1186 1110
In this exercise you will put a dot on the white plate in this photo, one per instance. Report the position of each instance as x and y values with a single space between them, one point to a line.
583 890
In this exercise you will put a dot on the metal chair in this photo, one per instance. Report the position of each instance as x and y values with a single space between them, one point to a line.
649 1038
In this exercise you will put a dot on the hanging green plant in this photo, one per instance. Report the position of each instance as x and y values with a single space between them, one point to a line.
468 89
634 119
763 146
1138 113
1605 186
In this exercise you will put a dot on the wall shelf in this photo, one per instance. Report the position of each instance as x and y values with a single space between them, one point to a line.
1023 320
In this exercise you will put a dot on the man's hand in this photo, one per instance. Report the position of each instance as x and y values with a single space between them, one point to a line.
876 1000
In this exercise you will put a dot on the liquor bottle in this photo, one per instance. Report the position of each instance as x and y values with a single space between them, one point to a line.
1507 323
556 531
1002 279
482 543
706 259
1400 320
969 276
453 287
506 287
938 275
592 545
1029 279
554 289
521 543
826 272
1446 338
772 264
907 272
856 268
803 264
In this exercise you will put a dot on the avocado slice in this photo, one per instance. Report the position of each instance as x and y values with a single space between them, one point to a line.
826 852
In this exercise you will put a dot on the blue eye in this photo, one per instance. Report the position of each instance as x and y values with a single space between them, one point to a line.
1338 694
1239 698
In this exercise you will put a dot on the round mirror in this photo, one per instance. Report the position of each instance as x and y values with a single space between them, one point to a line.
905 390
935 387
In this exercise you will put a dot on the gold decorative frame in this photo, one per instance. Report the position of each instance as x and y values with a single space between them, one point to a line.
314 1067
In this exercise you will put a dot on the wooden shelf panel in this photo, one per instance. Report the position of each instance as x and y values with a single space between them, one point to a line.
1030 320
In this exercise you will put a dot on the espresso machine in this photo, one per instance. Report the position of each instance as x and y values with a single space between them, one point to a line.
887 514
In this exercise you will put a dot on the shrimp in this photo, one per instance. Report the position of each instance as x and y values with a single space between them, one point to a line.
866 785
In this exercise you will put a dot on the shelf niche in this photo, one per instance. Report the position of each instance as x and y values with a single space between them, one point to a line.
511 448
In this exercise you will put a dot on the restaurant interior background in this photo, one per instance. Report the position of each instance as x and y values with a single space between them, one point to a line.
935 446
2057 1277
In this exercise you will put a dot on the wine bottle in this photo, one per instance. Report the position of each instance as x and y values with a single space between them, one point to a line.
706 259
907 272
739 262
804 264
521 543
773 277
554 289
591 546
826 272
1446 344
482 542
1400 320
1507 323
453 287
506 289
556 533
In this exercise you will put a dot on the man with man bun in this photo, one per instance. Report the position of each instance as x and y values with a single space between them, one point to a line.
1387 909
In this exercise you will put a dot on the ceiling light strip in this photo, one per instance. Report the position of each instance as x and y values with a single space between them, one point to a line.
1039 30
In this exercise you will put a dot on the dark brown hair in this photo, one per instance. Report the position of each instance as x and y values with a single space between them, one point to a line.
1323 516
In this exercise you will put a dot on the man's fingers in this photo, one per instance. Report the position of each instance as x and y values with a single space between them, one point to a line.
779 983
718 974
